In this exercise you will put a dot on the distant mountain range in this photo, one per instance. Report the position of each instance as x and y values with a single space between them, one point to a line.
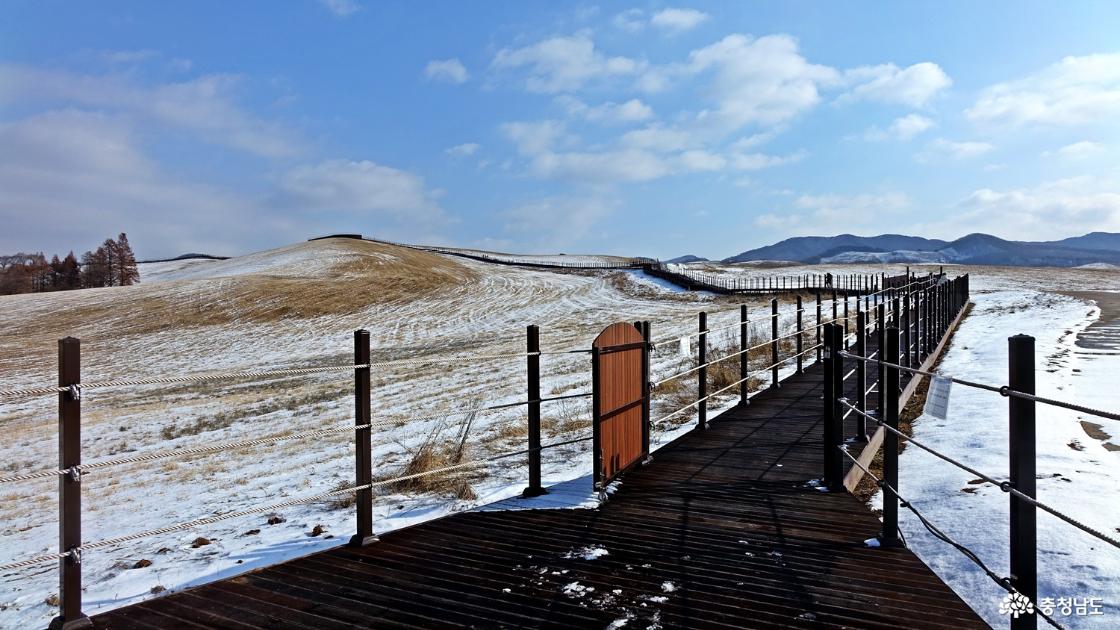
976 249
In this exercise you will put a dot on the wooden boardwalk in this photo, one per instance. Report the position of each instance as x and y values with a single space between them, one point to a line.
720 530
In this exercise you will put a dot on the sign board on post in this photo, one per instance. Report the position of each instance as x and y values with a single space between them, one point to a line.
937 397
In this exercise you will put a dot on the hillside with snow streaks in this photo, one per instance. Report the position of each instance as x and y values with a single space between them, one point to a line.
269 311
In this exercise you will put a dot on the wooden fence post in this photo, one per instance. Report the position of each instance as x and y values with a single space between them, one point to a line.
533 396
774 343
833 416
861 376
880 344
647 388
890 383
1021 434
744 359
70 487
906 328
820 346
800 332
846 321
896 323
363 453
702 385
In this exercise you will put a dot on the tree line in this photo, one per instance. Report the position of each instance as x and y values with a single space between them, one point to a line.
110 265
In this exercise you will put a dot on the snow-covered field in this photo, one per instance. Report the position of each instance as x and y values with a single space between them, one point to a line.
478 309
298 306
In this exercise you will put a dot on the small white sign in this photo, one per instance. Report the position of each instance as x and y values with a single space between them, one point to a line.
686 347
937 398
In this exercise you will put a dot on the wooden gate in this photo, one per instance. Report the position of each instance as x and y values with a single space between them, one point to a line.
620 399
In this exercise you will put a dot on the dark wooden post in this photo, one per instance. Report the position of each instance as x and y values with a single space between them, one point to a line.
820 347
833 416
702 385
744 364
363 453
774 342
646 390
880 343
800 331
889 537
861 377
896 323
835 313
1021 434
596 428
533 396
845 321
905 343
70 487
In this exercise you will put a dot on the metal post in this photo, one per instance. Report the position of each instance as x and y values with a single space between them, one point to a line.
889 536
1021 434
774 342
833 388
702 389
861 377
533 396
800 329
363 452
744 366
70 487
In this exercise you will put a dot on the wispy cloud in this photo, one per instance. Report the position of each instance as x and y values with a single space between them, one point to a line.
341 8
678 20
1075 91
448 70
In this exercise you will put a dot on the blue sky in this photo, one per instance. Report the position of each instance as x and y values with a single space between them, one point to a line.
629 128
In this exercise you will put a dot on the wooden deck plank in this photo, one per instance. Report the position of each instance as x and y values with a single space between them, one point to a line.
726 515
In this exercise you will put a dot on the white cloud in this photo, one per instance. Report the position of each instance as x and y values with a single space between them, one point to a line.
601 167
1066 207
955 150
449 70
758 161
697 160
86 176
534 138
903 128
633 110
630 20
887 83
463 150
1080 150
556 222
678 20
563 64
361 187
128 56
341 8
657 138
832 213
206 106
758 81
1075 91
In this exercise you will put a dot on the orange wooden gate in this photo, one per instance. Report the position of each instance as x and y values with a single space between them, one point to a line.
620 399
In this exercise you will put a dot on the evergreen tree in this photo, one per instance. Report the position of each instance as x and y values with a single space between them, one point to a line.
127 273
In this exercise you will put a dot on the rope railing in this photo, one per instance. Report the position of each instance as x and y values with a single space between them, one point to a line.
1002 390
1002 485
940 535
209 520
203 378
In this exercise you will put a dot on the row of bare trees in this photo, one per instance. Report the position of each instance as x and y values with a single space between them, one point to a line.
110 265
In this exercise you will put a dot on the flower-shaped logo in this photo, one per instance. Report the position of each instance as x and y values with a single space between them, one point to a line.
1016 604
